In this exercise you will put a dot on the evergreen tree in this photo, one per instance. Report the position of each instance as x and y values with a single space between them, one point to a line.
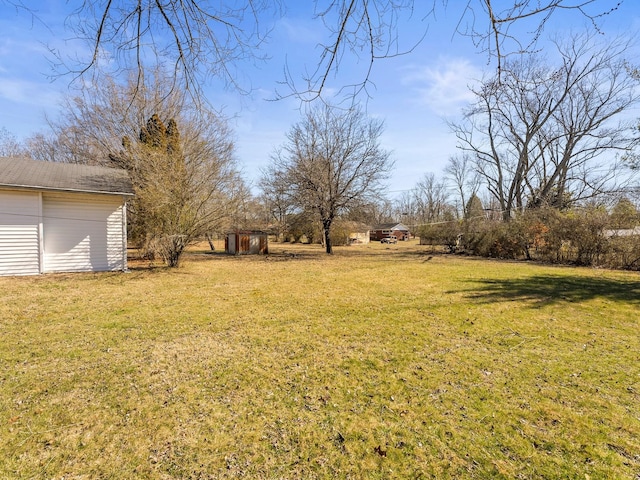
474 208
624 214
173 138
154 135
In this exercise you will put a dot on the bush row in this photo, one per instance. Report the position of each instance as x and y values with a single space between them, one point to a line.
587 236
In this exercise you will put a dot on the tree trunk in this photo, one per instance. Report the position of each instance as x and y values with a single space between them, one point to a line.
171 249
326 230
210 240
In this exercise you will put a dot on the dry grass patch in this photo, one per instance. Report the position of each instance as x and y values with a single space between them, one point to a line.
377 362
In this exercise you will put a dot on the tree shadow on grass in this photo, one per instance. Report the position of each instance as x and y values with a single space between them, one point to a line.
549 289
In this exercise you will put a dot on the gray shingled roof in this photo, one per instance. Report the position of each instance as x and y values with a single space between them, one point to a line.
26 173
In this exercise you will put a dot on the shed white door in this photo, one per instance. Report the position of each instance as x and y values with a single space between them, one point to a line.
82 233
19 233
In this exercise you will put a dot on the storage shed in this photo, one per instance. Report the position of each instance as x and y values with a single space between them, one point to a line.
58 217
247 242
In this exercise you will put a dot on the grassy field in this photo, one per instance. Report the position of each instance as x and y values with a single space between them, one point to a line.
377 362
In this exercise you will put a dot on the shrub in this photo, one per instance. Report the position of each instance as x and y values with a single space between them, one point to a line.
340 233
577 236
624 252
585 229
446 234
543 239
486 239
169 248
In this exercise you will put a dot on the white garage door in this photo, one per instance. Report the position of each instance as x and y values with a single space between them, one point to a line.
19 225
82 233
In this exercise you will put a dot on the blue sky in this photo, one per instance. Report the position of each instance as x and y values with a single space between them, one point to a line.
414 94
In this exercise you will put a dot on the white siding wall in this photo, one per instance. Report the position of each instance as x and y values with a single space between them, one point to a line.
83 233
19 233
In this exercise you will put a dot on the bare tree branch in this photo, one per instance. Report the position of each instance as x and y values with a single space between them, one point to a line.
537 133
354 29
203 39
330 162
197 40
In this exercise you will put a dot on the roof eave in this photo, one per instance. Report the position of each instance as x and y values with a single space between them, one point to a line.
55 189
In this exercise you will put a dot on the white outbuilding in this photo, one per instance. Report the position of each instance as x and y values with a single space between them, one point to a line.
60 217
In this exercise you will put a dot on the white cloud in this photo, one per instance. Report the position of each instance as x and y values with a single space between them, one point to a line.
443 87
300 31
27 92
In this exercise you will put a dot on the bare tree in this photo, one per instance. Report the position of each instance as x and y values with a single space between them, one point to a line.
497 38
404 207
185 185
430 199
460 172
94 120
9 144
179 155
538 132
331 161
373 211
424 205
277 198
44 147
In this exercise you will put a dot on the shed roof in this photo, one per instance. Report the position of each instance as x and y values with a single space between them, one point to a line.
24 172
246 231
390 226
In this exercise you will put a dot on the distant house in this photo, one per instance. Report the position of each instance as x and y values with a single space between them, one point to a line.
623 232
385 230
246 242
57 217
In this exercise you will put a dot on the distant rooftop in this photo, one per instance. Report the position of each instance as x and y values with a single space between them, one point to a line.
24 172
389 226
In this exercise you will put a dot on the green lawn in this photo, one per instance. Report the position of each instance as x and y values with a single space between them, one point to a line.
377 362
